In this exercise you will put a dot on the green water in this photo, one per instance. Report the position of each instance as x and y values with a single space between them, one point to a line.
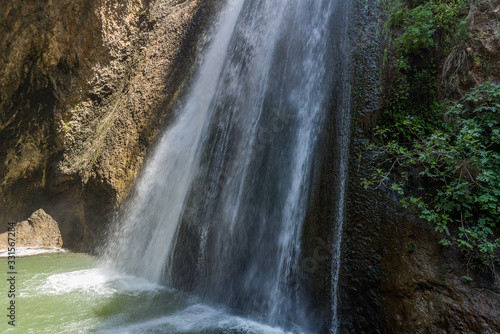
70 293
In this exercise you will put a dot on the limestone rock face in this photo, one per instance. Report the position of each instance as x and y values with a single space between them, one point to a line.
85 86
40 230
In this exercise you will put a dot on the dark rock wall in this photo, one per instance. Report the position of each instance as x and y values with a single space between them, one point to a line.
395 276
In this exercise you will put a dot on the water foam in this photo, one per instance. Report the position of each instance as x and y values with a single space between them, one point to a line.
30 251
96 281
194 319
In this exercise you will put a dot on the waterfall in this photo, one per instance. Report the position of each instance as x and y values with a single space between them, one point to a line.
342 142
141 243
219 206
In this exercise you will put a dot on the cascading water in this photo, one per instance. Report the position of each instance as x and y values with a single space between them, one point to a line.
219 207
342 141
140 244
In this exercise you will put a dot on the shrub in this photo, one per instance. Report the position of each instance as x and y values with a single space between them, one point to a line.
461 158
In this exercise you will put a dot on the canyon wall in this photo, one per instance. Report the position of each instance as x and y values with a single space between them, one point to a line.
85 86
396 277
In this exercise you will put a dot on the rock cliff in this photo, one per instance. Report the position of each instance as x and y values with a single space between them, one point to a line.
84 87
395 276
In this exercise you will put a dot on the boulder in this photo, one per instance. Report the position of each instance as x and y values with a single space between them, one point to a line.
40 230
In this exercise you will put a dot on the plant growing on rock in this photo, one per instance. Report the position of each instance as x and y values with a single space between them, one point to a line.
461 160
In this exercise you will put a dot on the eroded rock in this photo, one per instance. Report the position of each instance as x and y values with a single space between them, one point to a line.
39 230
84 88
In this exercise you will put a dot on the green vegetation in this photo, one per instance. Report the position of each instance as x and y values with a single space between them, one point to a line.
427 24
461 160
430 31
442 157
